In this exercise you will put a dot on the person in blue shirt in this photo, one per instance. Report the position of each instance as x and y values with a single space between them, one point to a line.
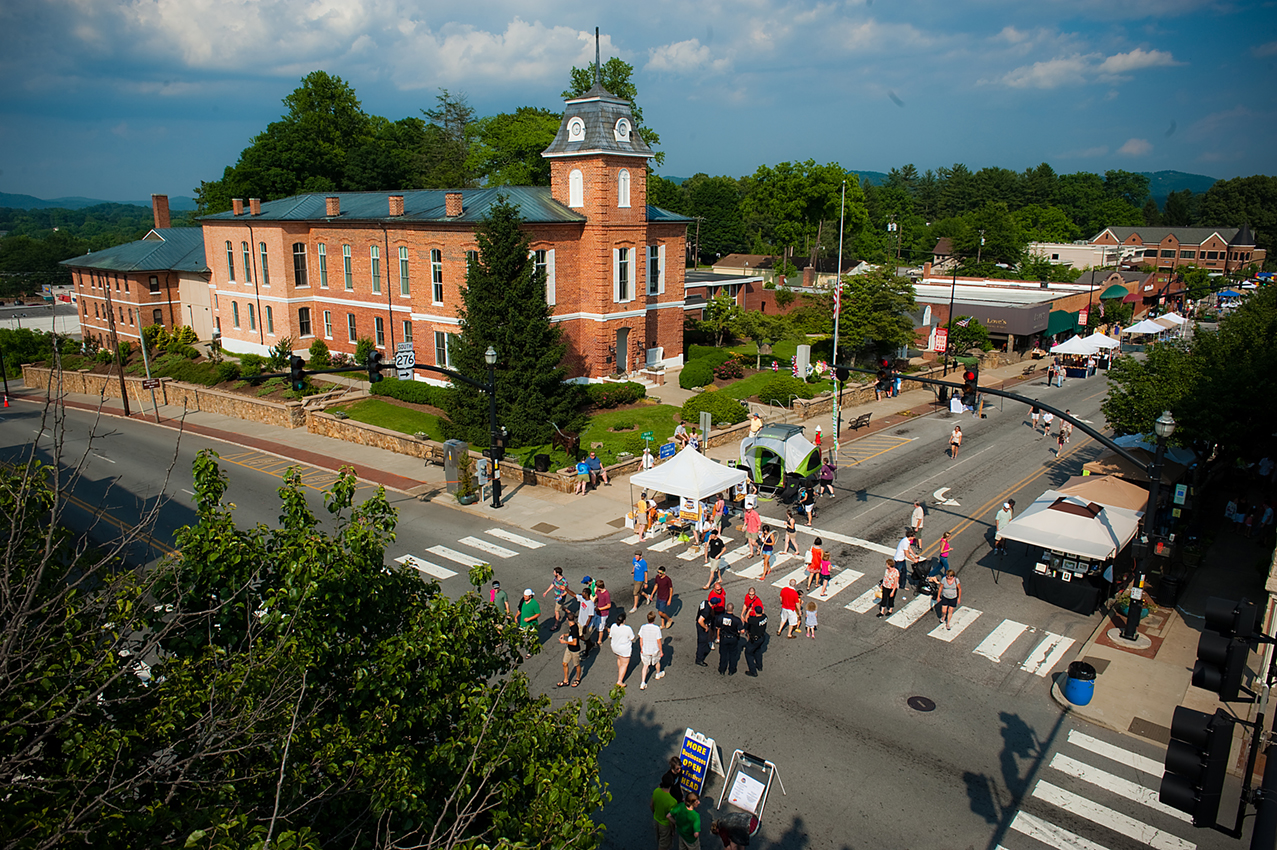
582 477
597 472
640 580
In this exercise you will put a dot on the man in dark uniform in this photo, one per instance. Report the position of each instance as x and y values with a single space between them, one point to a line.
705 631
729 629
756 634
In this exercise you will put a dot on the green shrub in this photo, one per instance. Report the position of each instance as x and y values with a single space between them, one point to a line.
623 425
183 335
190 352
608 395
271 385
71 362
69 345
226 371
722 407
251 364
413 392
126 348
319 355
697 373
729 370
708 352
280 354
782 388
155 337
363 348
187 371
104 356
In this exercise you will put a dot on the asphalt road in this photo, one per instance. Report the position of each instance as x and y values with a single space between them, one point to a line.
994 764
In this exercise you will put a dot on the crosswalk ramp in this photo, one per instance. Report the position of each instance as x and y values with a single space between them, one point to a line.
472 550
1093 795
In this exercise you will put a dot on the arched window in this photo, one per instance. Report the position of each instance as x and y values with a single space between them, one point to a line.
623 188
576 189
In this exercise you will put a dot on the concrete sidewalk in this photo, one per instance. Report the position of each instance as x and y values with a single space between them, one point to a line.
563 516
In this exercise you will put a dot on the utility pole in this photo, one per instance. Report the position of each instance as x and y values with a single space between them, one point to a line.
979 251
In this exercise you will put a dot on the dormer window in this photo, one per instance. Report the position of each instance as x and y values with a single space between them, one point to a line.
622 131
576 130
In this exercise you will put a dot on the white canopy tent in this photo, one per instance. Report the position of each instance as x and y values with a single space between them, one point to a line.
1147 326
688 474
1075 345
1175 319
1070 524
1101 340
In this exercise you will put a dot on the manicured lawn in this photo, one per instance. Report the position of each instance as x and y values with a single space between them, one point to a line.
372 411
657 418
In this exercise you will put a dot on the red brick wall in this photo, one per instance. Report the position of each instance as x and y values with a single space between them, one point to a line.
129 292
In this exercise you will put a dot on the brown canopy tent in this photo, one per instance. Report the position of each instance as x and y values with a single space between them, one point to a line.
1109 490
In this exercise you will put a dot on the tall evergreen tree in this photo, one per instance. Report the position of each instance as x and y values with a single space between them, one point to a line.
505 307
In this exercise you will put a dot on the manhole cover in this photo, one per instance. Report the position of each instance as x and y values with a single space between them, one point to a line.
920 704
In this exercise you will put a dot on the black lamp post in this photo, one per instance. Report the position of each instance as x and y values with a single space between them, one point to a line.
1164 426
494 453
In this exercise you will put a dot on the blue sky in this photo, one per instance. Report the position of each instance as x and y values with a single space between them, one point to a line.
117 99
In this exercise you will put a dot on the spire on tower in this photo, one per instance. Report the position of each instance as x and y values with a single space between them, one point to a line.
598 75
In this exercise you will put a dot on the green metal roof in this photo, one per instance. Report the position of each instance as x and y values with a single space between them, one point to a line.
1059 321
534 203
1114 291
163 249
658 214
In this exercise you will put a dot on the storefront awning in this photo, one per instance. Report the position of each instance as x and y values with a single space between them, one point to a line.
1059 321
1133 298
1114 291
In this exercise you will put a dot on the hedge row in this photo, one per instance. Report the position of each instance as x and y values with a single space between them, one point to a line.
414 392
721 406
697 373
607 395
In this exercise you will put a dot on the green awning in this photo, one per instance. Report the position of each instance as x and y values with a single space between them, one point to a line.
1059 321
1114 291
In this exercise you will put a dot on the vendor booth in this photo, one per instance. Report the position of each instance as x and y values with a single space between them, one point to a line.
692 477
1077 356
1106 490
1078 539
777 455
1106 346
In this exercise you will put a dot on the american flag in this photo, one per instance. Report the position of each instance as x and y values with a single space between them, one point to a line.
837 300
962 323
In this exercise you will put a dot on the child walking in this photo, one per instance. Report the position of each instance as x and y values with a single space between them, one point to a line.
811 619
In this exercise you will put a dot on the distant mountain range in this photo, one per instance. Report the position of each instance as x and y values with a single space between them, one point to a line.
30 202
1160 184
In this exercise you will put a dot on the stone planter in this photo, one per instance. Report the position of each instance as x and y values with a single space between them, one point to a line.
468 500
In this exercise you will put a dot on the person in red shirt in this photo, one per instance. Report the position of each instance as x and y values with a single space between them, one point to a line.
752 601
789 602
718 598
815 556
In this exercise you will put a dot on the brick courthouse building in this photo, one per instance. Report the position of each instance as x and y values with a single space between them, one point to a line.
390 266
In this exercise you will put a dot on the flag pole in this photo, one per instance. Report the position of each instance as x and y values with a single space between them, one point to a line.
837 423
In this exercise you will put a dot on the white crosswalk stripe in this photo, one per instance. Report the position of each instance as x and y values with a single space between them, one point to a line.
631 540
1109 818
961 618
425 567
1047 654
912 613
798 575
453 555
1117 754
864 602
738 554
665 545
1000 639
1050 834
1118 785
511 537
755 571
839 581
843 538
692 553
490 548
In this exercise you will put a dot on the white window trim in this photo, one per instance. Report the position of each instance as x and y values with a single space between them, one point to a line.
576 188
660 258
405 286
328 324
616 276
321 251
551 294
436 286
623 189
374 268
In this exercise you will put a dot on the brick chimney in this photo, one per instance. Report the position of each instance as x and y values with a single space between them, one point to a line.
396 204
809 276
452 204
255 206
926 269
159 208
237 206
332 207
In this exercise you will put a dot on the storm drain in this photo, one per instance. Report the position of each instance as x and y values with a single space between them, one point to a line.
921 704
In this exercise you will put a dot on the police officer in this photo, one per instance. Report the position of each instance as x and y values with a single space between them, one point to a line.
705 631
729 629
756 635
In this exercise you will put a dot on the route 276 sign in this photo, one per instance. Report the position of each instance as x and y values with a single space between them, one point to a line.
405 359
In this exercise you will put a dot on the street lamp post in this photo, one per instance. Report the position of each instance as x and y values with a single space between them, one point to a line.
1164 426
490 357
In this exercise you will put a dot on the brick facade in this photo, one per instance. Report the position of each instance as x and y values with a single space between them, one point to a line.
137 299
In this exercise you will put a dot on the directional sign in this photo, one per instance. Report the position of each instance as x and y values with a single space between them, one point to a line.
667 450
405 359
647 435
150 383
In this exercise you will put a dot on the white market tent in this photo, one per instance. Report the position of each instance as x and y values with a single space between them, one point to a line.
1071 524
1102 340
688 474
1075 345
1175 319
1147 326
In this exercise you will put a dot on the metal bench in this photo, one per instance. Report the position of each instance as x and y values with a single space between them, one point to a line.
861 421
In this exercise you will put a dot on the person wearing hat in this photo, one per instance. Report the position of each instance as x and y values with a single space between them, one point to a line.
529 611
1003 519
501 599
755 424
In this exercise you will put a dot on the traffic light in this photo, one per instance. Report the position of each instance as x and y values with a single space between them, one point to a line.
1224 646
970 385
374 366
297 372
1196 763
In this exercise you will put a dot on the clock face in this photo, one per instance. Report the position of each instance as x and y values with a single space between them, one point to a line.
576 129
623 130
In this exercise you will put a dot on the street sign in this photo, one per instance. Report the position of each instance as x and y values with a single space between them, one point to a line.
942 339
647 435
667 450
150 383
405 359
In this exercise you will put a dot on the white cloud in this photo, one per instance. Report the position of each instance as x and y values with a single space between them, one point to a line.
684 57
1013 35
1050 74
1135 147
1085 153
1268 49
1122 63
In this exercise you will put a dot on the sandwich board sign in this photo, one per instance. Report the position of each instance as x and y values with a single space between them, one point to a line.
699 756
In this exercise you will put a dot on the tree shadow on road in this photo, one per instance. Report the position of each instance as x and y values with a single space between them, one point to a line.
997 799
